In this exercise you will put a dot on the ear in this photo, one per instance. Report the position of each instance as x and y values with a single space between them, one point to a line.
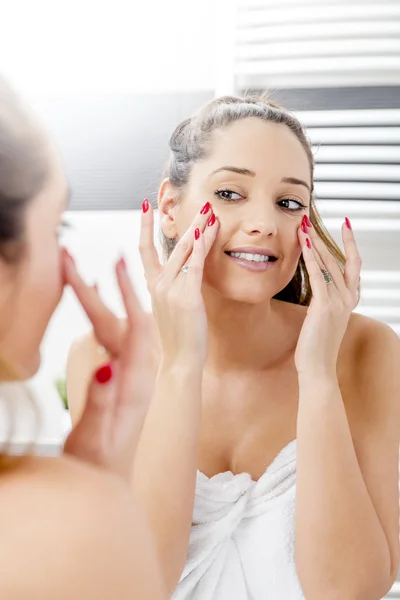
167 200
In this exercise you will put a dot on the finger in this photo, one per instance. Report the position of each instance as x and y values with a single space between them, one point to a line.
106 326
318 285
184 247
134 313
327 261
194 277
136 380
210 233
90 437
353 259
151 262
131 301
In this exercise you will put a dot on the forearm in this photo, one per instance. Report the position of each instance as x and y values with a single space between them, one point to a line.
341 548
166 465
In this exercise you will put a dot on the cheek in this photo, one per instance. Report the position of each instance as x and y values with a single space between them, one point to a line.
289 237
46 276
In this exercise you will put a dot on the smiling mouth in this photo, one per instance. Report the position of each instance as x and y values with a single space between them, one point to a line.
261 258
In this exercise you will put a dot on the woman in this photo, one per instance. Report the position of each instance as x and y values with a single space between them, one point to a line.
273 435
70 527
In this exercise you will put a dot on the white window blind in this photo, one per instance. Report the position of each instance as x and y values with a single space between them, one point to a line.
336 65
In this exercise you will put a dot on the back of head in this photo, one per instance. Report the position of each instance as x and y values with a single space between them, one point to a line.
23 169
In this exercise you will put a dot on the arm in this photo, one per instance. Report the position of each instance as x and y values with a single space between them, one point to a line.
77 534
168 447
347 538
166 464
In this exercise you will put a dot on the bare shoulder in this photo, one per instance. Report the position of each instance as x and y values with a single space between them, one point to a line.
86 347
86 355
368 342
74 533
369 372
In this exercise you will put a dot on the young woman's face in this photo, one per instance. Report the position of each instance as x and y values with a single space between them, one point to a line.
257 179
31 289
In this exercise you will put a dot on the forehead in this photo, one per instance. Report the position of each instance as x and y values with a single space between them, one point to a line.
53 198
259 146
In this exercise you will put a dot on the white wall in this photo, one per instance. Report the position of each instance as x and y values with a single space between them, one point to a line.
111 46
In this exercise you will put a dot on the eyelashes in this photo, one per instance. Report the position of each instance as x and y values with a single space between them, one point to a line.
226 195
300 205
64 227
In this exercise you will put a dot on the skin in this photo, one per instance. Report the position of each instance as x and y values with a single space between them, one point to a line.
47 518
274 371
32 289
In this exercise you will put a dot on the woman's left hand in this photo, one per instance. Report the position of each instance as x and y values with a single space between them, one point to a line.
331 305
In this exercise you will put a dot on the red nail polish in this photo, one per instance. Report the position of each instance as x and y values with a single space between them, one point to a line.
196 233
307 220
145 205
211 220
347 221
304 227
308 243
205 208
71 258
104 374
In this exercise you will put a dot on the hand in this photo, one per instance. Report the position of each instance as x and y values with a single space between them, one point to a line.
120 392
176 296
331 305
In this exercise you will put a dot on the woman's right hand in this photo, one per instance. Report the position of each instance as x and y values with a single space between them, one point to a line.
119 393
176 296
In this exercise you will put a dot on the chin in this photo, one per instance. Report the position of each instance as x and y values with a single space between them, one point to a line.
240 292
248 296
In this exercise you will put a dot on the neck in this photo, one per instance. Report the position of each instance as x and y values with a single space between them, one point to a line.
241 336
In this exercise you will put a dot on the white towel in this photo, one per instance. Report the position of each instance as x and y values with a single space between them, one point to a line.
242 539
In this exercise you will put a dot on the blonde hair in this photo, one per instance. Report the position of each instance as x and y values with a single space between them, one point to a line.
191 141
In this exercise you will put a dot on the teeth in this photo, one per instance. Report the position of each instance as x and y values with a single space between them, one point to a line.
252 257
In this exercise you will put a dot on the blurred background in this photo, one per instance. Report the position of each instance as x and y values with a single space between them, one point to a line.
111 79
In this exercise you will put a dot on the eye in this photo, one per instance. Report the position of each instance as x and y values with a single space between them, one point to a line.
63 227
228 195
291 204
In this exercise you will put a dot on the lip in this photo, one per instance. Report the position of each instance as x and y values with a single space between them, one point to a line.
255 267
254 250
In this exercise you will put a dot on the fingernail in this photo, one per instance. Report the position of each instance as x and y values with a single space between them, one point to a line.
304 226
205 208
347 221
104 374
196 233
307 220
71 258
211 220
308 243
122 262
145 205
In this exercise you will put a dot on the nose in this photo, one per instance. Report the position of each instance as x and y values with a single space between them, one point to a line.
261 219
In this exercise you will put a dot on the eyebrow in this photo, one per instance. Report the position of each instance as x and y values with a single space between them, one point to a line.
295 181
234 170
249 173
